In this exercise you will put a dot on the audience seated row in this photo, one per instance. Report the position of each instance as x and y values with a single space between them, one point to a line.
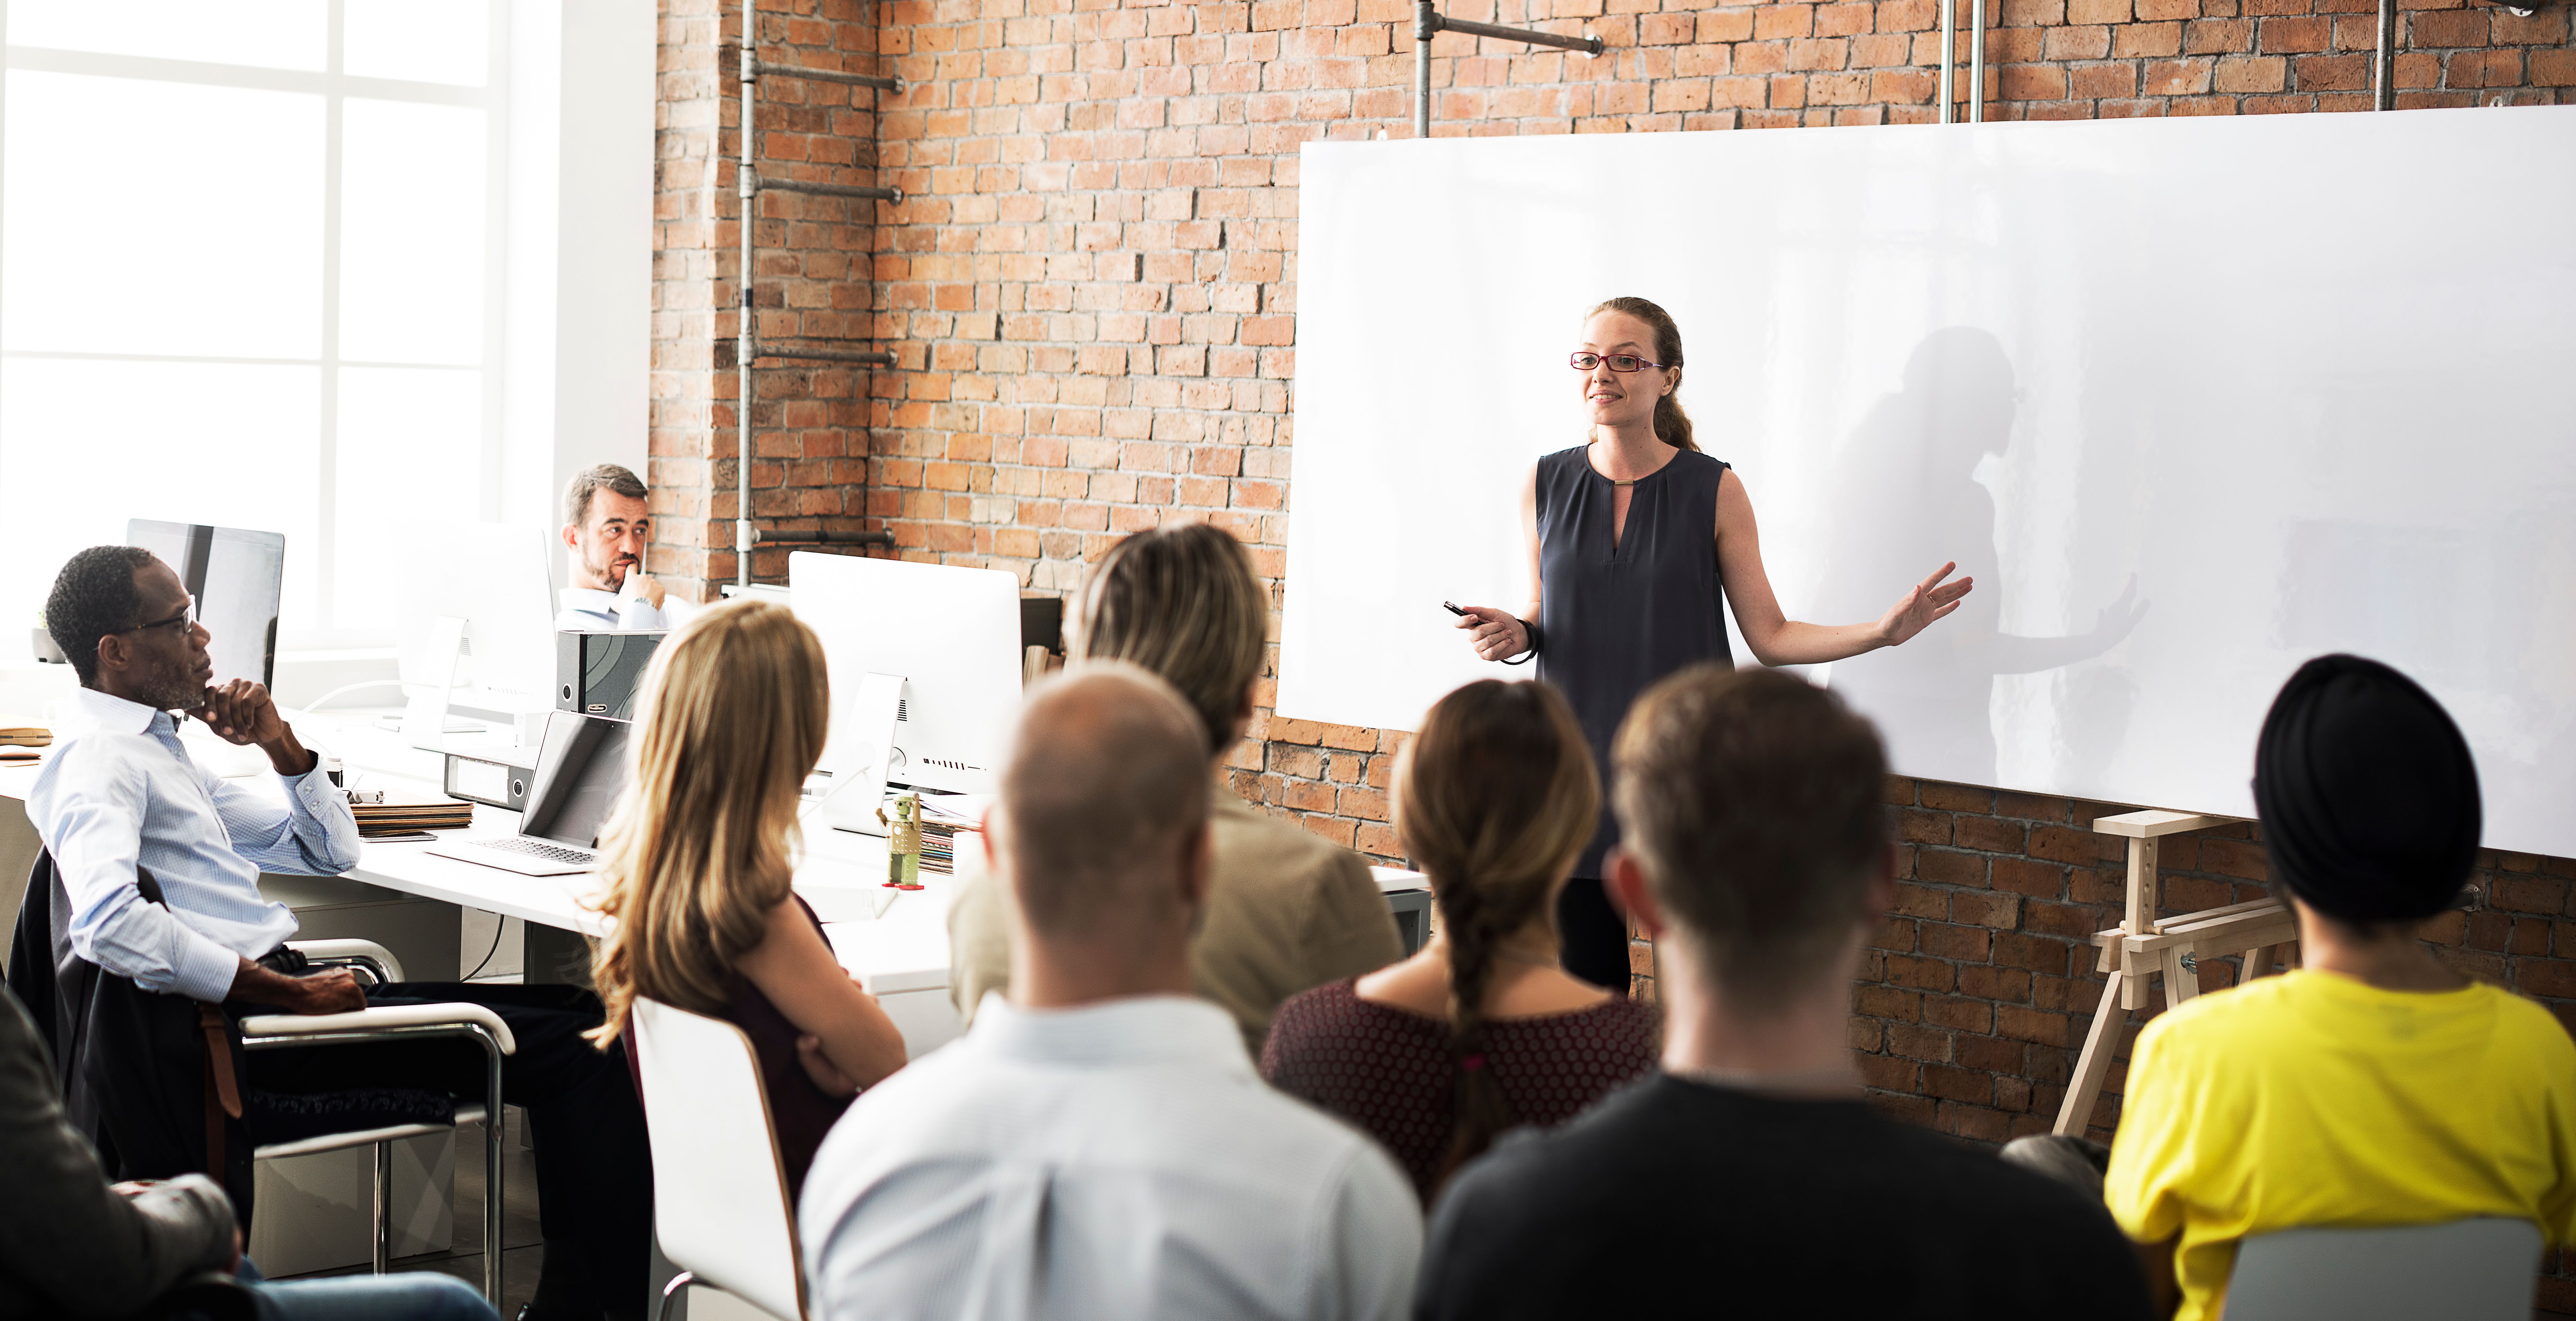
1466 1132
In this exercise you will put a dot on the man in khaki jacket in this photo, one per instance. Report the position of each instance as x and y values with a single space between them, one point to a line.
1287 911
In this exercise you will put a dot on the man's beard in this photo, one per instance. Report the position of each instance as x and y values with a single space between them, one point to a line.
174 692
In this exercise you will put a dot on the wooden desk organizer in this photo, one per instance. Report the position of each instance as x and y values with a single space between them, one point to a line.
2143 947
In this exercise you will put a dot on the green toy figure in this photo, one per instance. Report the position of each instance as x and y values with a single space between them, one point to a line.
903 843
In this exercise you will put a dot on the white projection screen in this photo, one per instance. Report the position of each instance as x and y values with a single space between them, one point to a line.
2192 399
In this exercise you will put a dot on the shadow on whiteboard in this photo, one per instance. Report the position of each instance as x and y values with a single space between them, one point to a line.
1906 489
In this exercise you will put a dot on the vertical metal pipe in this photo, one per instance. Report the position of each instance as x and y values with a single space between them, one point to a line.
494 1128
1426 24
743 340
384 1225
1977 61
2382 81
1949 58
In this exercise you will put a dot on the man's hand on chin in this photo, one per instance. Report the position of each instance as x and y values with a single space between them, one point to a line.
641 584
241 711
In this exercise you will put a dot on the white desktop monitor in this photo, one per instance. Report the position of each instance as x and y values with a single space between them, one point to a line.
952 634
494 577
237 576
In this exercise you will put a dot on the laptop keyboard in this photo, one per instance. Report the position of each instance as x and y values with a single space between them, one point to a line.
535 849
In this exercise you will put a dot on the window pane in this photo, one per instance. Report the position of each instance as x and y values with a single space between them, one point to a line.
410 454
209 243
86 445
411 233
443 42
273 34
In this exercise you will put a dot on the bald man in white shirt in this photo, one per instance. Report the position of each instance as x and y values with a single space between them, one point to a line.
1099 1145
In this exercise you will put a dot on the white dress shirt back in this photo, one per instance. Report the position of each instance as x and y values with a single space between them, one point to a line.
1115 1160
119 792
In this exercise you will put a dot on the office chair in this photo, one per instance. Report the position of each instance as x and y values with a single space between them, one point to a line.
720 1203
396 1023
2465 1270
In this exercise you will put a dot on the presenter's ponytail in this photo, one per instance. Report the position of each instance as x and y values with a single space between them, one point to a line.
1672 425
1495 799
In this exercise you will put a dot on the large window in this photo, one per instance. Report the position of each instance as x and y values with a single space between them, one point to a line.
250 276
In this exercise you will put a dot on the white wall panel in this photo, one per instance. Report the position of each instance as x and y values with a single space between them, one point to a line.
2192 399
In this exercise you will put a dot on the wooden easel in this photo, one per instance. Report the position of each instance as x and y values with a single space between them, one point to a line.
2143 947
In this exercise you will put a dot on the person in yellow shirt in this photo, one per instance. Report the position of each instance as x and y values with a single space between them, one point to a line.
2375 1086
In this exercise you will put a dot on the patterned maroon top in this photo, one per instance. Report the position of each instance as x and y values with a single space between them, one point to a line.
1389 1070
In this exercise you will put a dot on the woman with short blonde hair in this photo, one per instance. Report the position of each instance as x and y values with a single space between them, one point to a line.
698 860
1285 910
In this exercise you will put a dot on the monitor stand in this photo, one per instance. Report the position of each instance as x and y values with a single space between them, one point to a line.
858 784
424 722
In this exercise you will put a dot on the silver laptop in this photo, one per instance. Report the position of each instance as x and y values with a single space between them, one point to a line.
581 769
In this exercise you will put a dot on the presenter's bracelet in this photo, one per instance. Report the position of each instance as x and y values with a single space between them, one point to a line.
1532 654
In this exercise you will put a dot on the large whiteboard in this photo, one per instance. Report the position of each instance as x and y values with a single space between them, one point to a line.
2192 399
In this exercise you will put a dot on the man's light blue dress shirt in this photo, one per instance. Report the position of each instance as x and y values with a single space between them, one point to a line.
118 791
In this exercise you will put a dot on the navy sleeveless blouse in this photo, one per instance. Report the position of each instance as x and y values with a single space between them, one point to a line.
1616 614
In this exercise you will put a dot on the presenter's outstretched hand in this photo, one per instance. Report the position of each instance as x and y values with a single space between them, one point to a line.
1929 600
1496 634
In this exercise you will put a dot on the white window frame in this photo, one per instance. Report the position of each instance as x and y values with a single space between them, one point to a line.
336 88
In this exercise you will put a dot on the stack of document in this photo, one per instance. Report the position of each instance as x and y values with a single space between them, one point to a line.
410 815
20 737
943 817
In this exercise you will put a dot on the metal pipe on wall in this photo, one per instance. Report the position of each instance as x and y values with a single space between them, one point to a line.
1949 59
2382 89
746 346
1427 23
1977 61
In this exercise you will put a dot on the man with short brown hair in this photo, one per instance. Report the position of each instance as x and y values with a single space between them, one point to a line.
1751 1174
607 526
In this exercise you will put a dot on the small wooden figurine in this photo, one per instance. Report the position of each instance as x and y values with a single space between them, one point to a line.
903 843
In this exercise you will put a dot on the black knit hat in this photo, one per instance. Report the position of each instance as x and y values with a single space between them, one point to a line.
2368 795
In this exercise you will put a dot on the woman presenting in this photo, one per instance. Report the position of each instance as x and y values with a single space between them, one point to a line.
1636 538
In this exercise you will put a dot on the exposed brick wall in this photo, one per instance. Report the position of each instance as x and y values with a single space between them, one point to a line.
812 284
1091 290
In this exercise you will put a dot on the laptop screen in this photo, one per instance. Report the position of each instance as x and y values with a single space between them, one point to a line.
581 769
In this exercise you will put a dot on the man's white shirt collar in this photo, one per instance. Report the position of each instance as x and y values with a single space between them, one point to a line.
1144 1029
89 711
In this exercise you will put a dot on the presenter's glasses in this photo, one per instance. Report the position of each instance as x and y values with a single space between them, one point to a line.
1619 362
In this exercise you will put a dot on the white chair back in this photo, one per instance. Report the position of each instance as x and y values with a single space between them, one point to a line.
720 1203
2466 1270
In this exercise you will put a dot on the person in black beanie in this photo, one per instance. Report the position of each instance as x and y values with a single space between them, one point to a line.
2375 1085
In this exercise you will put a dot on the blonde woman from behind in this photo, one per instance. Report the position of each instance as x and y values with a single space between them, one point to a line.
697 864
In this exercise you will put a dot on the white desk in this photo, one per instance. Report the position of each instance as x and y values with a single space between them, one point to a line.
894 943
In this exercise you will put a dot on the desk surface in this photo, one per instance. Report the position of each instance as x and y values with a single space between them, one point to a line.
889 940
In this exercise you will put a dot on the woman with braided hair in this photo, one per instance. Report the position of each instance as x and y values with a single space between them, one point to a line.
1483 1030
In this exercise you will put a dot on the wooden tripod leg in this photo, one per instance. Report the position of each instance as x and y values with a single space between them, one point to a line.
2094 1064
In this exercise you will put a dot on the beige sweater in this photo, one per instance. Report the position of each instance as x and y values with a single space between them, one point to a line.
1287 912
